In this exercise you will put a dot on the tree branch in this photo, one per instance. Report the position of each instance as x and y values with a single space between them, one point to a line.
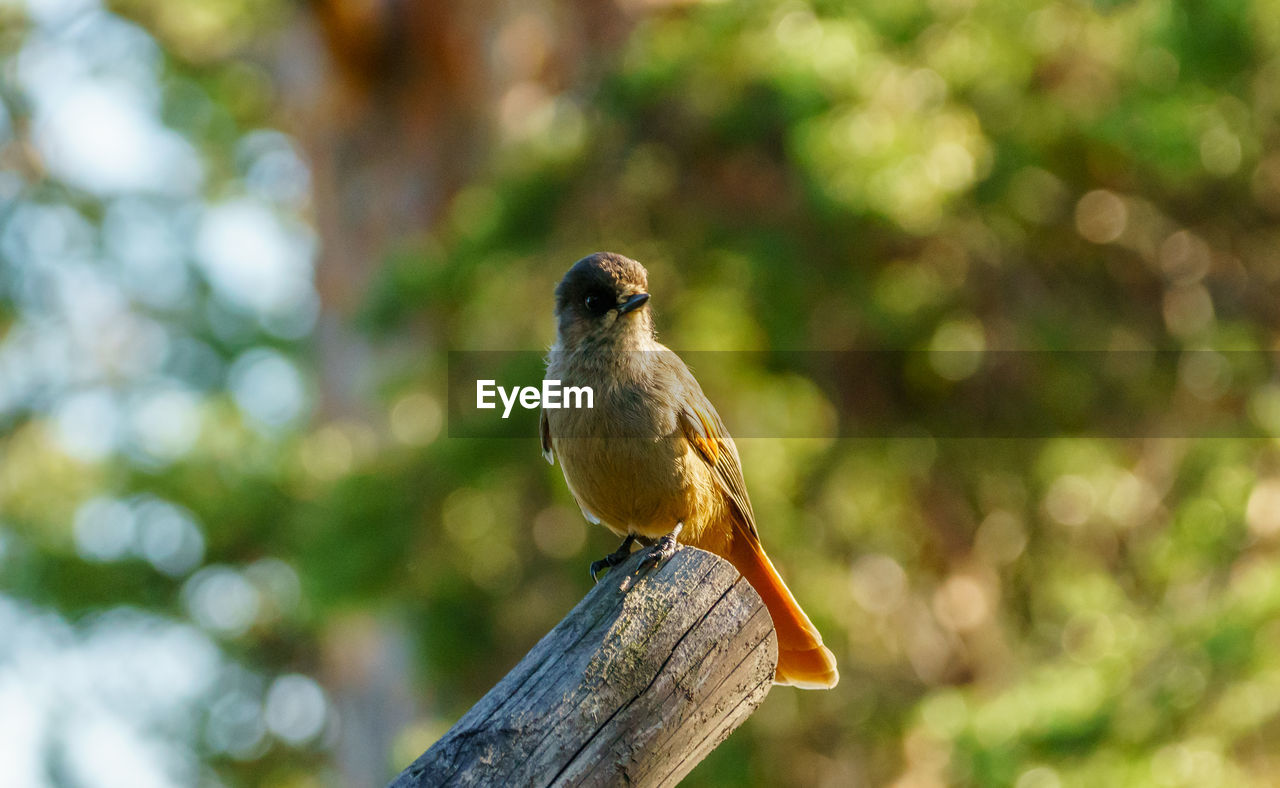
643 678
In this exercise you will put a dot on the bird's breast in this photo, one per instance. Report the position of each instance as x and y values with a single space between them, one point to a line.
625 460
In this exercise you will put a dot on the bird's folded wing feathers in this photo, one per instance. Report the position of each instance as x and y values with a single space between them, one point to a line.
706 432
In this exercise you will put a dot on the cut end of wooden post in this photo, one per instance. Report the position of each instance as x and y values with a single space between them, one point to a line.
643 678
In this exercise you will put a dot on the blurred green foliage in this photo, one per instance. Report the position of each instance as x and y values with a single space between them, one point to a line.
1064 610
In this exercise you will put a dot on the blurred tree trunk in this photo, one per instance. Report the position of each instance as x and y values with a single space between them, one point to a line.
395 104
391 116
386 97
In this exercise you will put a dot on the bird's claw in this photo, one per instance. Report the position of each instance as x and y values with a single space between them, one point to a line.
612 559
661 550
604 563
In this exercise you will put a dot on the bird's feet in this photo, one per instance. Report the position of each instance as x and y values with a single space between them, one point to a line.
613 559
663 549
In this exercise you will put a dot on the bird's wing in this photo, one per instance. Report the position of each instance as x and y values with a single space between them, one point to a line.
544 432
704 429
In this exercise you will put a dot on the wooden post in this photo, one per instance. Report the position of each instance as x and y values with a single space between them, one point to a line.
643 678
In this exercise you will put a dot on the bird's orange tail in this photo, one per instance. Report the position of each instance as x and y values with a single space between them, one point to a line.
802 659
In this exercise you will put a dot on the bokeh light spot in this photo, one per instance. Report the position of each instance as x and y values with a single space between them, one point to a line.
879 583
221 599
268 388
957 347
1070 500
416 419
168 537
1101 216
558 532
104 529
295 709
1262 513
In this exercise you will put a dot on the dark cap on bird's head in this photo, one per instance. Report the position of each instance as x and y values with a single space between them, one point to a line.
601 283
595 296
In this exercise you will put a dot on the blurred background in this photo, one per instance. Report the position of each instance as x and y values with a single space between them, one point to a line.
238 239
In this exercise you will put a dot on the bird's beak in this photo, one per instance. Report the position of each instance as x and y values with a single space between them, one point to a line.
634 302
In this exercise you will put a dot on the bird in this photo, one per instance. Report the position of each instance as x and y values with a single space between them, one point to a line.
651 459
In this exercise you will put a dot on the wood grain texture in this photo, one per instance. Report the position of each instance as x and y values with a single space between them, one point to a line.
643 678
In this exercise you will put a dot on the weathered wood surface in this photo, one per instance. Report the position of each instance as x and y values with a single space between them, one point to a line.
643 678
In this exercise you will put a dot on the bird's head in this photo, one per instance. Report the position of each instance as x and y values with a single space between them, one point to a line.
603 300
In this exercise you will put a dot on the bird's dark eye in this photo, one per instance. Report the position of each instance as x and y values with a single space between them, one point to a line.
598 304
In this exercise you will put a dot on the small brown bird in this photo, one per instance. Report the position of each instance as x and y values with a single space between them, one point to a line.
652 460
